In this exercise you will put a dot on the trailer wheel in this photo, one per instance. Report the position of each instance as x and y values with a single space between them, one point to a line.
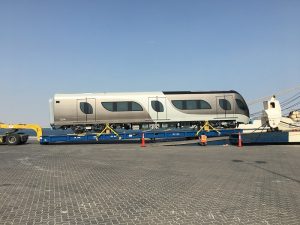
13 139
23 142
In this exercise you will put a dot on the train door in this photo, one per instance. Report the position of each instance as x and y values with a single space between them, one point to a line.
157 108
86 110
225 107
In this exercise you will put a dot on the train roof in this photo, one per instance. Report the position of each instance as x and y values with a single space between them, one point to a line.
112 93
197 92
122 94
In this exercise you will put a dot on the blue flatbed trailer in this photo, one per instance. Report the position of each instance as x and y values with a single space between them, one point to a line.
93 138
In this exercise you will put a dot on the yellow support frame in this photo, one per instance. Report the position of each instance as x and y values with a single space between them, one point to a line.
37 128
107 127
207 127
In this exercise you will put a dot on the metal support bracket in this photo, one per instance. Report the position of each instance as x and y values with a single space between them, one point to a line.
107 127
207 127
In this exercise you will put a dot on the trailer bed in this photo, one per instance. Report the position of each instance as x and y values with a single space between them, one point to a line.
94 138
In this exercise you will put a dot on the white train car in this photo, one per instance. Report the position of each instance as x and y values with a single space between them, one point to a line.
93 110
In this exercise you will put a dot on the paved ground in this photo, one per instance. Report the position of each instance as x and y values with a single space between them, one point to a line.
125 184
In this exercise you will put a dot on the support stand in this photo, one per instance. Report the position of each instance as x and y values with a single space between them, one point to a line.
207 127
107 127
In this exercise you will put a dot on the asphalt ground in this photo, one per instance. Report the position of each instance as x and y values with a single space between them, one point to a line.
163 183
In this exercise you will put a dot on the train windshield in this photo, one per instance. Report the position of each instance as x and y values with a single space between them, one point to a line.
241 104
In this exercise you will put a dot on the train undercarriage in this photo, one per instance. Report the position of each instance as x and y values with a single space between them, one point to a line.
83 128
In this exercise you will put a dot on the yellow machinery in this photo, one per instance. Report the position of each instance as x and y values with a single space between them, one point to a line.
13 138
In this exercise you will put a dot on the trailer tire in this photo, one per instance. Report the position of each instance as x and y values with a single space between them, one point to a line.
13 139
23 142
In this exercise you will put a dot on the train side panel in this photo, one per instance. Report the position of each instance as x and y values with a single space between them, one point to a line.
153 107
65 111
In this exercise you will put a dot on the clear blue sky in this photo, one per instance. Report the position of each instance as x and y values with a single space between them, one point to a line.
60 46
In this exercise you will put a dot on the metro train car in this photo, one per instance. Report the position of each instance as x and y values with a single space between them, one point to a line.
91 111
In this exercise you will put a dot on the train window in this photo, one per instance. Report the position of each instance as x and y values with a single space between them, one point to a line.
224 104
241 104
191 104
157 106
86 108
178 104
136 107
204 104
122 106
108 106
